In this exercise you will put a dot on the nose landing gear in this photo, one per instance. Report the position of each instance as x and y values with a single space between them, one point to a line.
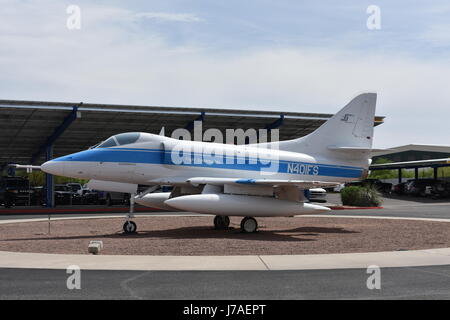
130 226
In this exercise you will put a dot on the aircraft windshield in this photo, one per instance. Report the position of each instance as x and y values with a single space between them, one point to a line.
127 138
120 139
108 143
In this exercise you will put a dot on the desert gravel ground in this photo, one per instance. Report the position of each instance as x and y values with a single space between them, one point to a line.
196 236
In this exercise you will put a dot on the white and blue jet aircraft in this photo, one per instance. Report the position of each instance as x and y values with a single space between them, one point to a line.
254 180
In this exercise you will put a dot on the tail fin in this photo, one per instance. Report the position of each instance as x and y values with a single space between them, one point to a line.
348 134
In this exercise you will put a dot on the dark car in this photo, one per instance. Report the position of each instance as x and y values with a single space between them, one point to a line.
440 189
64 195
111 198
38 196
76 193
420 187
399 188
90 197
14 191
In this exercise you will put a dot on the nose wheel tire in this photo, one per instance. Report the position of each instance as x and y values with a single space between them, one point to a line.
249 225
129 227
221 222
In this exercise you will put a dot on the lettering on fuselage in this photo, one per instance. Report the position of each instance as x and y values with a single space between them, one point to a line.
303 169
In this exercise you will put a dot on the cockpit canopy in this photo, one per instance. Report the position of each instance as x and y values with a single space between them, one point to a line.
119 140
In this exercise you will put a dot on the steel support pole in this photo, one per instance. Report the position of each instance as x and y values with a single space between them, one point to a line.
50 202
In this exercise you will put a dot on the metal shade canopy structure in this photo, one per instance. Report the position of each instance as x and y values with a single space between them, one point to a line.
432 163
27 128
32 132
413 156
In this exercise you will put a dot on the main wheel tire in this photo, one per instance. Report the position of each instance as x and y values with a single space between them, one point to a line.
226 221
221 222
249 225
129 227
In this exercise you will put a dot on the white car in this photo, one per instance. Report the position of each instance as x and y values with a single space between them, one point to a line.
75 187
317 195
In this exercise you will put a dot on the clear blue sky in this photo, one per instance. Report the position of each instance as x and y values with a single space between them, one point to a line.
263 55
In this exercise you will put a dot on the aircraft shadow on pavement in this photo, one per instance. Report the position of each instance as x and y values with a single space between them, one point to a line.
202 232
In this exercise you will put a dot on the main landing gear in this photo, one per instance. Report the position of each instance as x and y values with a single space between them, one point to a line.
130 226
221 222
248 224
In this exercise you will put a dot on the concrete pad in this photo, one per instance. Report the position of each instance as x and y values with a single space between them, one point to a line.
359 260
109 262
275 262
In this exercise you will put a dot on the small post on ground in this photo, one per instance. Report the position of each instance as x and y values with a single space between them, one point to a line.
50 195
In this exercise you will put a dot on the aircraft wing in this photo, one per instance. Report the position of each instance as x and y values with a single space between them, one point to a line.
303 184
195 181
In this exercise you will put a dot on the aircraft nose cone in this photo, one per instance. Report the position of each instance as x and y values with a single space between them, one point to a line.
53 167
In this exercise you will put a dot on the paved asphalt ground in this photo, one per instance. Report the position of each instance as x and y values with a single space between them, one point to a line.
396 283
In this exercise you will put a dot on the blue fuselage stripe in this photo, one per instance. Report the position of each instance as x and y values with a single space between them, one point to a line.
158 156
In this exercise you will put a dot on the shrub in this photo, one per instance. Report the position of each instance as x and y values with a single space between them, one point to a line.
366 196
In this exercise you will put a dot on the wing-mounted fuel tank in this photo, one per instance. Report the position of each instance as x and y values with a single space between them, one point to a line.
242 205
155 200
